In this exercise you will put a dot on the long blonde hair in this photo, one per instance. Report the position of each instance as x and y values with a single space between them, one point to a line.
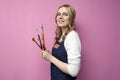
71 27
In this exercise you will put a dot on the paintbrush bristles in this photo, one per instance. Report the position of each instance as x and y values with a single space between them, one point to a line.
33 39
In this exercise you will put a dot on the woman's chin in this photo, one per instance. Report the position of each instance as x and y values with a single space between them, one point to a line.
60 25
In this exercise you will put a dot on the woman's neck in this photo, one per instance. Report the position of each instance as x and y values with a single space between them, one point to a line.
64 30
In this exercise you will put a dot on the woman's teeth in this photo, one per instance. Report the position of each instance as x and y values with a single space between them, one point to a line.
60 21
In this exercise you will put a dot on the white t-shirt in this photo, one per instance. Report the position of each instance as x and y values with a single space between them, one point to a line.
73 47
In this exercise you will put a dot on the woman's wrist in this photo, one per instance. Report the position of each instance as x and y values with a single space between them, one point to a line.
52 59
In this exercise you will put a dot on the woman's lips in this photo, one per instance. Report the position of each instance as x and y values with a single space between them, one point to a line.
60 21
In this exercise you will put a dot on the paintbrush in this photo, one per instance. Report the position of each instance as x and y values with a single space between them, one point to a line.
40 41
33 39
43 40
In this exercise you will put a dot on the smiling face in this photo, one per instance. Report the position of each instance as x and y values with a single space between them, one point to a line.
63 17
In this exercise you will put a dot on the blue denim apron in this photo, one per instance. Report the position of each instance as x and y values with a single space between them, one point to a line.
60 53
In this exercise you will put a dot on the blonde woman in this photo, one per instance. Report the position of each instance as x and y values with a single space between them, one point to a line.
66 53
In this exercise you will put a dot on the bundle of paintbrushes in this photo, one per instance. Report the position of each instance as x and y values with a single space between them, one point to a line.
41 40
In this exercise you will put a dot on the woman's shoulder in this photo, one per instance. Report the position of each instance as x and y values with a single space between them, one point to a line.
72 33
72 39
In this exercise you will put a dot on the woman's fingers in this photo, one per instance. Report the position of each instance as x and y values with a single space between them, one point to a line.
45 55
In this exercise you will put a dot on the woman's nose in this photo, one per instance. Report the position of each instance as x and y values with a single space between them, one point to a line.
61 16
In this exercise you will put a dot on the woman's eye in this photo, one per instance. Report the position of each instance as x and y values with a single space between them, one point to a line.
58 14
66 14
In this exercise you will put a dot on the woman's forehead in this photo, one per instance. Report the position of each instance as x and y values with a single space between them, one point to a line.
63 9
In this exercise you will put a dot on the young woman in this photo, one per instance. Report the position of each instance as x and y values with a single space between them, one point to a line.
66 52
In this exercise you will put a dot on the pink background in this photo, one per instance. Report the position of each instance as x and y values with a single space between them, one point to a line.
97 23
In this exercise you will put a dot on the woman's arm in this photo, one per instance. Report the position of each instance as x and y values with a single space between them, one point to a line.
73 47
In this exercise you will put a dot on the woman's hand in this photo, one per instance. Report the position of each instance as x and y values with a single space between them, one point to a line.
61 65
46 55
